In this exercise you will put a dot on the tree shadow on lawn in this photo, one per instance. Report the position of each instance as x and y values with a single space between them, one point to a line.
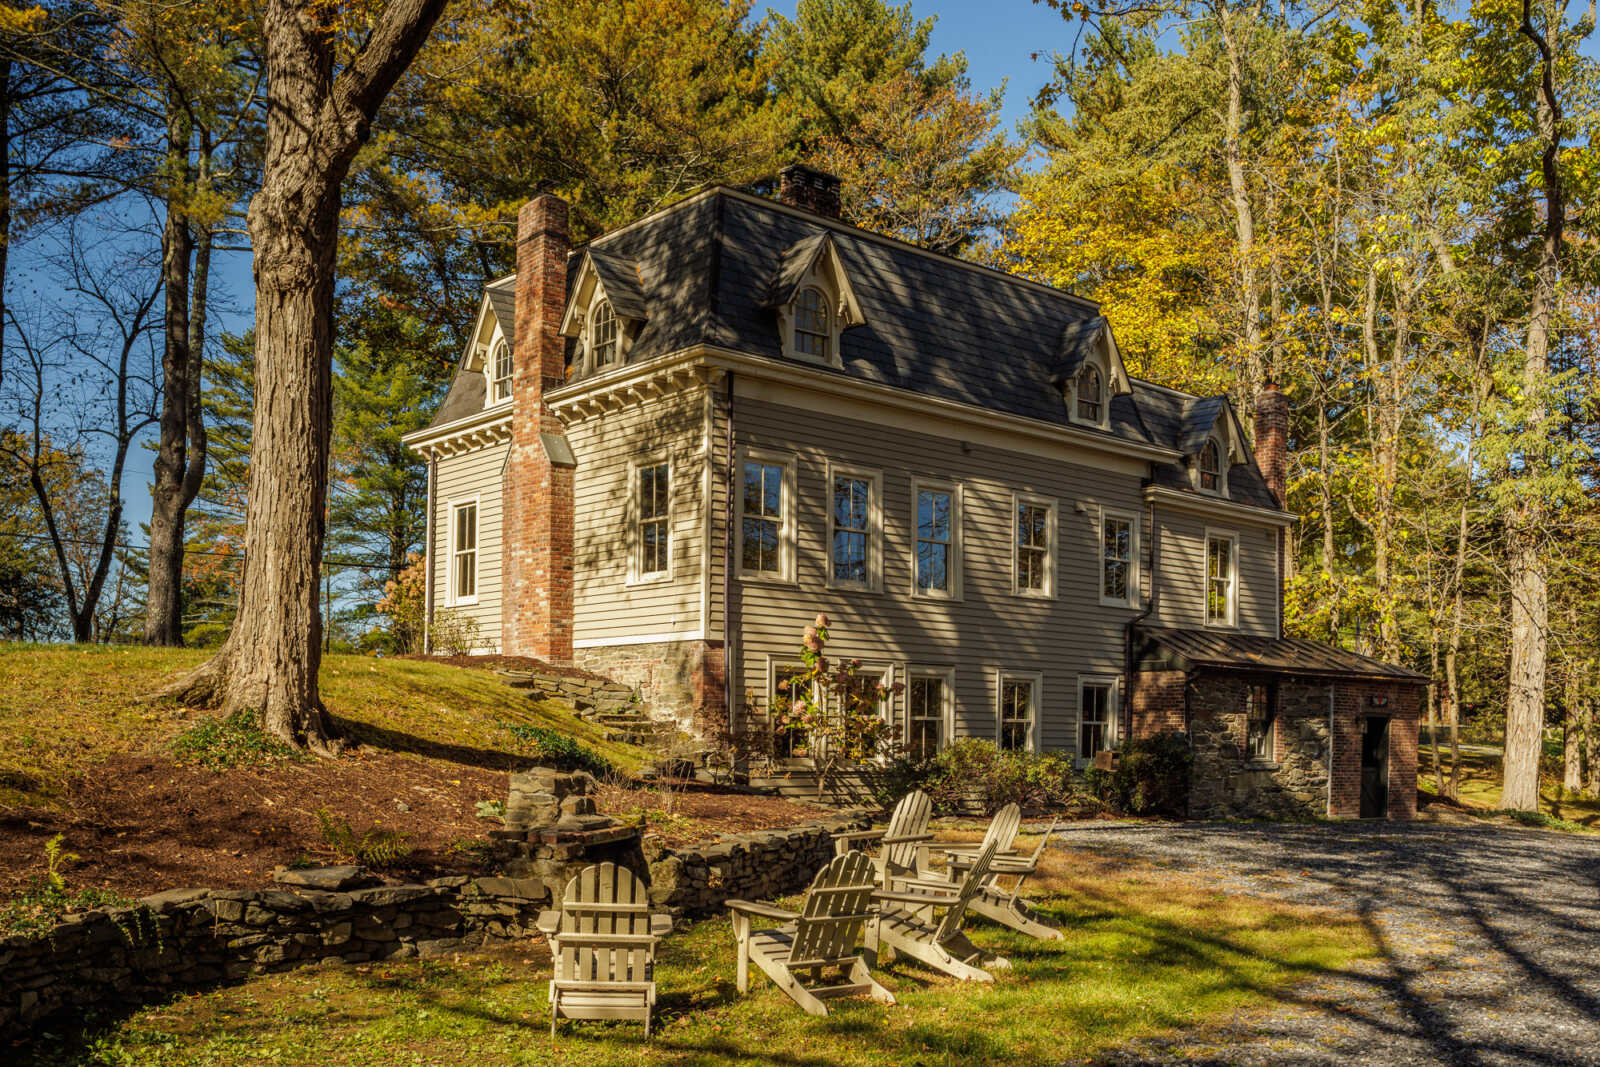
379 737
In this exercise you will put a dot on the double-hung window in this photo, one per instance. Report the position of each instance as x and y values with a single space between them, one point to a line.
1119 540
502 372
937 563
811 325
464 552
785 695
927 704
652 508
603 334
1259 720
853 524
1222 579
766 520
1019 703
1033 563
1096 721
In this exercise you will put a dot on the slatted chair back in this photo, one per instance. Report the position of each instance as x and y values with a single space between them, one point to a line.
834 915
909 819
1003 829
1038 852
971 885
605 927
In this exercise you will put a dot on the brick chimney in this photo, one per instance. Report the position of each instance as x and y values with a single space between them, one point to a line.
536 538
808 188
1272 439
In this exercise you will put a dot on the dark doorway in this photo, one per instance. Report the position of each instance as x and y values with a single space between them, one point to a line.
1375 767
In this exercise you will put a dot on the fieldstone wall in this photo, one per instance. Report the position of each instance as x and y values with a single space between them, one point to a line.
761 865
1227 783
186 938
681 679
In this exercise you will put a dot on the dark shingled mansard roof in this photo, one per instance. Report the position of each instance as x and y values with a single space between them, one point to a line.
1163 649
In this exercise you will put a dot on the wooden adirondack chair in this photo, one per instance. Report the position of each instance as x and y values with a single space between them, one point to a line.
603 943
996 901
906 924
903 844
826 934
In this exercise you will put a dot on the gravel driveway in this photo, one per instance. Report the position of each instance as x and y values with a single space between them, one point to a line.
1490 940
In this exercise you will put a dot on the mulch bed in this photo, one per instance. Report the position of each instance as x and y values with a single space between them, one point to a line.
140 825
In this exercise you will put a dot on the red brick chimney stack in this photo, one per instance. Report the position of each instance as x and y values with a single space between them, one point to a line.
806 187
1272 440
536 585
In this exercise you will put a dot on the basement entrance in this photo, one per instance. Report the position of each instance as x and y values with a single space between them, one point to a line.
1375 767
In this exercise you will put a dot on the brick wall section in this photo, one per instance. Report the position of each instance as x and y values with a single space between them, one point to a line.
537 538
1352 705
681 679
1159 703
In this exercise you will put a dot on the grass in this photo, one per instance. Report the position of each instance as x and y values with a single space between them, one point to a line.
1145 954
65 707
1480 785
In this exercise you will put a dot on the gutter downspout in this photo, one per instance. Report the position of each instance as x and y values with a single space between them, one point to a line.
1127 630
427 563
729 658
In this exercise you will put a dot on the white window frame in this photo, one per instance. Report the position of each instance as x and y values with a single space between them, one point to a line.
1052 535
618 356
774 665
637 575
1222 467
1113 715
453 598
1035 679
785 573
947 714
492 368
874 480
1134 574
1232 621
1071 393
833 300
957 508
829 335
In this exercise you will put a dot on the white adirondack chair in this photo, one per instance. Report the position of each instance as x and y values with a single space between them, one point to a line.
922 919
903 844
996 901
825 935
603 943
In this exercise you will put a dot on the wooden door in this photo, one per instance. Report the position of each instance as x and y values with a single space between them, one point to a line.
1375 767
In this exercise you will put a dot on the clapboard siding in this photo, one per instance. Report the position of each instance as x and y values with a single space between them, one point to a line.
606 607
990 629
478 473
1183 573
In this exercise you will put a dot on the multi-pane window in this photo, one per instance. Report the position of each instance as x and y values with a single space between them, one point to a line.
1089 398
785 694
811 324
1094 719
936 526
762 518
1220 573
654 508
502 371
603 327
925 704
1033 548
1116 558
852 530
1018 697
1210 467
464 551
1263 712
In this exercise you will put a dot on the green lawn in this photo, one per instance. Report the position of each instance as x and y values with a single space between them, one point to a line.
64 707
1481 780
1145 954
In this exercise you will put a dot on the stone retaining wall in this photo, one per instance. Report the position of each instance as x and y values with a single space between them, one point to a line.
761 865
186 938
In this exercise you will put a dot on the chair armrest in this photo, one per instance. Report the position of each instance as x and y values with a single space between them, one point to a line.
858 835
917 898
660 924
549 922
906 839
765 911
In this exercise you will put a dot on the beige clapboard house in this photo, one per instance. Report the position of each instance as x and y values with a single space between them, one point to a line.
667 450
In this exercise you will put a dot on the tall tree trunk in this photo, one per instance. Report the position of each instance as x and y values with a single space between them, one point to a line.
5 199
1525 534
1243 211
163 623
316 122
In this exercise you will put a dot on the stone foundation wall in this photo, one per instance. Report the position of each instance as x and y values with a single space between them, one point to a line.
187 938
684 680
762 865
1227 783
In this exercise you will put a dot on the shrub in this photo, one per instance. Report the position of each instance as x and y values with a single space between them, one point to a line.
234 741
976 769
1152 777
453 633
375 846
552 748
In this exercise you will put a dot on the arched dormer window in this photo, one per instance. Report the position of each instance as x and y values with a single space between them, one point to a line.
500 373
1211 468
1090 397
811 325
603 334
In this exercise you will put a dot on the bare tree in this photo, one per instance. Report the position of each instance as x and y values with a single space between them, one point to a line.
317 118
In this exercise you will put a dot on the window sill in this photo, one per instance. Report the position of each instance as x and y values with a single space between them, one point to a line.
466 602
854 587
1126 605
1027 594
1261 765
765 579
950 598
649 579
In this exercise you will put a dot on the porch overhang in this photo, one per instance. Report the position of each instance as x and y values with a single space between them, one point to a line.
1161 649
